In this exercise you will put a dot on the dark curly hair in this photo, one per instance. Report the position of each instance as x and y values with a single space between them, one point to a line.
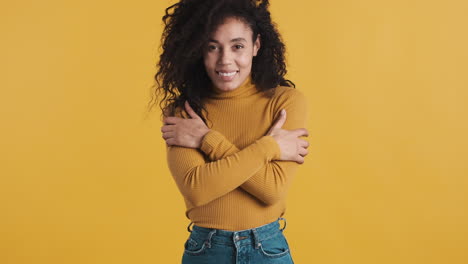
182 76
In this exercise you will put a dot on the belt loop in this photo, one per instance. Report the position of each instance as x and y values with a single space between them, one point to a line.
256 239
284 227
208 240
188 227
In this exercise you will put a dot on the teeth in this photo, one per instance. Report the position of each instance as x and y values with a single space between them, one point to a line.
227 74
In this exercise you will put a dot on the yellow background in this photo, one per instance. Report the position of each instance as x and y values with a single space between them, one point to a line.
83 175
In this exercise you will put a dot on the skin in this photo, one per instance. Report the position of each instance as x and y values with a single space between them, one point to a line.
231 50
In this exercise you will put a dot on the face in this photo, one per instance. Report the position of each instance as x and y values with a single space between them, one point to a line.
228 54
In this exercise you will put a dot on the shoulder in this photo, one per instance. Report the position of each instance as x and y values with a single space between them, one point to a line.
286 95
294 102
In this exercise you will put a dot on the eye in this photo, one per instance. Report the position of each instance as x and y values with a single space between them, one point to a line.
238 46
211 47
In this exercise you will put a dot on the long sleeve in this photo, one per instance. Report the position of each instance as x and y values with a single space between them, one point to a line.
270 183
200 181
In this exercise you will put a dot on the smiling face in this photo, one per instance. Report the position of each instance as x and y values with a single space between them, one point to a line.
228 54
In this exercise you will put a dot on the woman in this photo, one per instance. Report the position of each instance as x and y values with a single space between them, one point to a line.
231 149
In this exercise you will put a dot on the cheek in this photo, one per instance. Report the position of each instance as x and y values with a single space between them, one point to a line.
245 61
208 63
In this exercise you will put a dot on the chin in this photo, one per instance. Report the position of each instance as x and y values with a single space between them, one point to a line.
226 88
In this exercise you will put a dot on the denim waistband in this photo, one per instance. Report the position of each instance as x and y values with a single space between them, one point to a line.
257 234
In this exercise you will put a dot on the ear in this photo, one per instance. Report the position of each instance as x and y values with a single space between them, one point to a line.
256 45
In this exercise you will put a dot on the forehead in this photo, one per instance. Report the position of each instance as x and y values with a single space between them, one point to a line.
230 29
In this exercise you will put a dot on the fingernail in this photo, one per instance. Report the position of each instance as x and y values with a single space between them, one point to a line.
282 111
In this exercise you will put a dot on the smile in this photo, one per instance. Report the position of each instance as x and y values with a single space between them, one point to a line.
226 73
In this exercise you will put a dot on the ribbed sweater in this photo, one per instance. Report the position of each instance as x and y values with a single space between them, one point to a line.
235 180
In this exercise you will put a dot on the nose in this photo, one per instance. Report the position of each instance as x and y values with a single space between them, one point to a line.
225 57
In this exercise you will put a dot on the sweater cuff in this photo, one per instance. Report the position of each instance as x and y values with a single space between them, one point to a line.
210 141
271 147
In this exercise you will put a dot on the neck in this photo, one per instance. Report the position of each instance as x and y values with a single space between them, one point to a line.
246 88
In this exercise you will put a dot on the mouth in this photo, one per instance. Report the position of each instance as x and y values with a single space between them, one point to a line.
226 76
226 73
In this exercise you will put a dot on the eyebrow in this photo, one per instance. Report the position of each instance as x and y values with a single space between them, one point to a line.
232 40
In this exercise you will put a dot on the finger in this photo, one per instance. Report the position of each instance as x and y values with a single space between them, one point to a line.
281 119
167 135
167 128
303 152
171 141
190 111
301 132
300 160
304 143
171 120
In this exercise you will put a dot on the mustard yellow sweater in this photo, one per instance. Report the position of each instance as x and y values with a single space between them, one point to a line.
235 181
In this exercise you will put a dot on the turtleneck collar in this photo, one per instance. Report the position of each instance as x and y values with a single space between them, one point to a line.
245 89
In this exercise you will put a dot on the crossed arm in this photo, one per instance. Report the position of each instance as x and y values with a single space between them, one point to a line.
268 184
218 166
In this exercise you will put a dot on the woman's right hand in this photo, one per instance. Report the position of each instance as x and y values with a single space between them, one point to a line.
292 147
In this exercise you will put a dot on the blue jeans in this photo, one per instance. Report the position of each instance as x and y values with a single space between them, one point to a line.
263 244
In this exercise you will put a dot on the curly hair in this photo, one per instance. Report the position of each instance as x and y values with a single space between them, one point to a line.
182 76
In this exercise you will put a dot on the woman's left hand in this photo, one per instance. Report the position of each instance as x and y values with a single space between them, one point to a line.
184 132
